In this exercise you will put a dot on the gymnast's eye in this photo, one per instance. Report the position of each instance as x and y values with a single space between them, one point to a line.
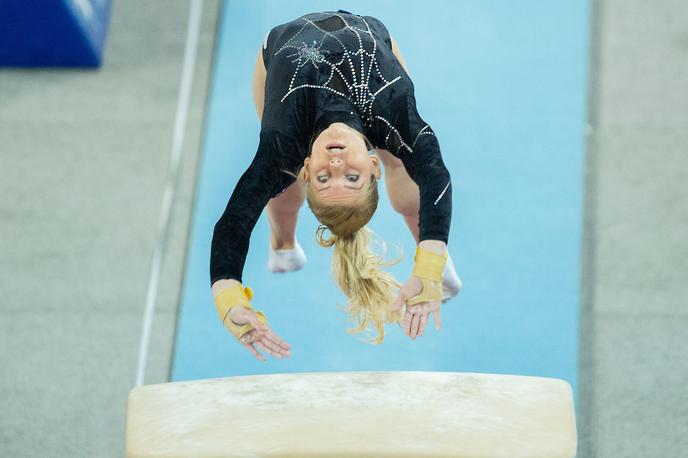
324 178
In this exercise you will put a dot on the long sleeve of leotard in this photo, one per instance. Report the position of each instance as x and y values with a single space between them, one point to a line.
421 153
426 167
233 230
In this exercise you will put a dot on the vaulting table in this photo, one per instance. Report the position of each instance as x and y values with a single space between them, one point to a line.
338 414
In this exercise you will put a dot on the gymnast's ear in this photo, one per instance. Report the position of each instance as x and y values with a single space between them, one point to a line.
303 173
376 166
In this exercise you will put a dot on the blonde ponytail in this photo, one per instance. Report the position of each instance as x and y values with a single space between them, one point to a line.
370 290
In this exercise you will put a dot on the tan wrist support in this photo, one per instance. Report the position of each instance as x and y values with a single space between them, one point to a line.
428 266
236 296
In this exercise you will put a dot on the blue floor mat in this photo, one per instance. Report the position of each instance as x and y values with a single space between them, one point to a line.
503 85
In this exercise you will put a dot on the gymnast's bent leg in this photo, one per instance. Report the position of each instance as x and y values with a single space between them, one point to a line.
285 253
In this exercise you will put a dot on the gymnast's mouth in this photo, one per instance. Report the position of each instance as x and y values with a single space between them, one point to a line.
335 146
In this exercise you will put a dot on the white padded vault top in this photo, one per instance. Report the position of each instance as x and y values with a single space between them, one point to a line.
338 414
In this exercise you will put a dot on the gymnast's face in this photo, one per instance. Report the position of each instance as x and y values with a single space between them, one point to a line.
339 167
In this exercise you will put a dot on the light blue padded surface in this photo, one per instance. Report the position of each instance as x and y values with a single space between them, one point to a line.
504 87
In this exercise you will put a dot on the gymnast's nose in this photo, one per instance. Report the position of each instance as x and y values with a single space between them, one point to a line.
335 162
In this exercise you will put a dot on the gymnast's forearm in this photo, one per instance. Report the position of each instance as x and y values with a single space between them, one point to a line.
232 231
434 183
228 248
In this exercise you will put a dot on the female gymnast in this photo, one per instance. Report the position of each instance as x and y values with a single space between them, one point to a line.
335 99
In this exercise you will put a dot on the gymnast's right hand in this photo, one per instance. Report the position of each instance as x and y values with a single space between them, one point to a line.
249 326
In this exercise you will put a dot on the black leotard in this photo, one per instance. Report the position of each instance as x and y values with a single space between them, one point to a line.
324 68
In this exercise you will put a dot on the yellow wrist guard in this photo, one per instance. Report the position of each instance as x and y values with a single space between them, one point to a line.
236 296
428 266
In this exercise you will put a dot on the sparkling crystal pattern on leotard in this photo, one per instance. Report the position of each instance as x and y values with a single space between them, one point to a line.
354 68
331 68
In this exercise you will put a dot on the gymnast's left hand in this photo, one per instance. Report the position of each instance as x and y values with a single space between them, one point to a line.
417 313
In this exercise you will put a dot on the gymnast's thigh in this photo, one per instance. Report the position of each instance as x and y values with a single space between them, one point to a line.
290 200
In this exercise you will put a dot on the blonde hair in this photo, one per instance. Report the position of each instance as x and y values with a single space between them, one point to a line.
356 269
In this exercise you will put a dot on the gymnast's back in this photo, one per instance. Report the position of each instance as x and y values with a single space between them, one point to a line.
324 68
335 66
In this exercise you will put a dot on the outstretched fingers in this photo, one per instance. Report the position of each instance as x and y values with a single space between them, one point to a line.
264 339
414 325
262 344
417 317
423 323
271 340
268 340
246 341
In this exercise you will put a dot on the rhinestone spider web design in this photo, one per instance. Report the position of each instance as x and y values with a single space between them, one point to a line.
353 74
310 54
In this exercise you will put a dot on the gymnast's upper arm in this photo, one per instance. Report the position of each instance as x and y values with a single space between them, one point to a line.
258 90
